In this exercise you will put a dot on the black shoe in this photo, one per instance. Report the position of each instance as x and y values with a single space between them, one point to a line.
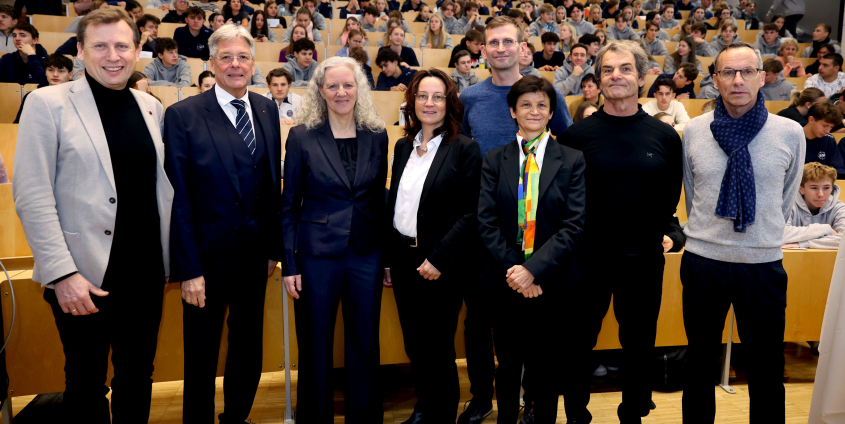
583 420
476 412
416 418
527 415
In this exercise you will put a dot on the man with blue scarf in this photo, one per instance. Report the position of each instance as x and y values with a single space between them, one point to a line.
742 169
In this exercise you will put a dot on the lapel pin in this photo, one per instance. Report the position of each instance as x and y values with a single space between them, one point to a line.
150 112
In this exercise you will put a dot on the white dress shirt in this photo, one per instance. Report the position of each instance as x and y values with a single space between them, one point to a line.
289 106
411 186
225 101
538 154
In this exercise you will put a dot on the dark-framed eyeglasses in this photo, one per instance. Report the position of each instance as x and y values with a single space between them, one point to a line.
748 73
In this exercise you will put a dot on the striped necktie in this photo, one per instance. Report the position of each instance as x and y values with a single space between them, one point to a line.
243 125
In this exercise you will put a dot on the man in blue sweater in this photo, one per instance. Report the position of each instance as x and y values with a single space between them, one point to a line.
487 119
192 38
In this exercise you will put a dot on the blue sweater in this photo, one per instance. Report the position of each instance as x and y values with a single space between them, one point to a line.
487 117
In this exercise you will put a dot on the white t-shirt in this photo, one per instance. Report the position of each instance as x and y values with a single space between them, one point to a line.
289 107
829 88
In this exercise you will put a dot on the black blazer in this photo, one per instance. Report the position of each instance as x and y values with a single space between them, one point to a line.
201 167
560 215
446 218
321 208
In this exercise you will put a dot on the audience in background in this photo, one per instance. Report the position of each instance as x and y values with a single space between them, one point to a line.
801 103
830 78
776 87
821 36
654 45
585 109
472 42
577 20
234 12
394 76
769 44
168 69
817 217
684 79
685 53
216 21
664 102
206 81
27 65
590 88
549 59
301 64
395 19
210 7
134 9
727 35
463 76
792 67
259 29
396 38
821 51
546 23
148 25
821 146
297 32
363 59
192 38
567 37
58 70
280 82
621 29
702 48
141 82
319 19
435 35
526 62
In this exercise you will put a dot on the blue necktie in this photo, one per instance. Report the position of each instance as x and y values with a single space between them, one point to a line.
243 125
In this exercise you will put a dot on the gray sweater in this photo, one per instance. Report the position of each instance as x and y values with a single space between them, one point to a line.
178 75
463 82
816 231
627 34
708 89
790 7
780 90
446 44
768 50
669 65
704 50
656 47
536 28
777 155
567 83
301 76
318 38
530 70
583 27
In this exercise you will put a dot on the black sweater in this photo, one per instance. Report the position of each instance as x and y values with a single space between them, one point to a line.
634 176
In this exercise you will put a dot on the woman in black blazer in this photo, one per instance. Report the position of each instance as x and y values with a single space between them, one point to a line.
431 223
532 272
332 220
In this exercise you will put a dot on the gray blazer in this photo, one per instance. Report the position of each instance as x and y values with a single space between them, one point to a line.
63 181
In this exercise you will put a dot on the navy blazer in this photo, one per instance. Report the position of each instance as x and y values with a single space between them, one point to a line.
321 208
201 167
559 222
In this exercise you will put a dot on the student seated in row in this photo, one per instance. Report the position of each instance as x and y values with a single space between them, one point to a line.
776 87
304 20
27 65
665 118
817 217
280 82
168 69
684 79
821 146
206 81
769 44
526 61
58 70
821 36
567 78
363 58
394 76
192 38
8 19
665 102
395 39
260 30
301 64
463 76
702 47
472 42
830 78
621 29
546 23
549 59
654 45
148 25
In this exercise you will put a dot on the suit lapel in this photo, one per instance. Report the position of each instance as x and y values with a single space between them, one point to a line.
83 100
551 164
329 146
439 158
263 121
152 125
365 145
221 136
400 161
510 167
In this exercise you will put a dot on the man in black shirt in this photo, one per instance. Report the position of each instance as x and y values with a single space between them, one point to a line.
192 38
634 169
549 59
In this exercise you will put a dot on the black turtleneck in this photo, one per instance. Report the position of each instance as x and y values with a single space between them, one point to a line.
136 248
634 175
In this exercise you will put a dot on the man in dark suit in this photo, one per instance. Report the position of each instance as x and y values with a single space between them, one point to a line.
223 156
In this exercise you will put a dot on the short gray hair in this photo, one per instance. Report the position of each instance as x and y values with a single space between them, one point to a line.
739 45
626 46
230 32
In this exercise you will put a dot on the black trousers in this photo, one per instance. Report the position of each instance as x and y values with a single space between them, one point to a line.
242 291
127 323
791 23
635 283
428 312
355 281
524 334
758 294
478 330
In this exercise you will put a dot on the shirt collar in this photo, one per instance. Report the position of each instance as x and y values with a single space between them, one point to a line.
224 98
432 144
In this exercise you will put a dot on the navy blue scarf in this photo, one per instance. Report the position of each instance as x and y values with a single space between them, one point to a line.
738 194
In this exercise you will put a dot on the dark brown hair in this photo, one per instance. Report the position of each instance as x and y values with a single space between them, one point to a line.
825 112
454 108
103 17
531 84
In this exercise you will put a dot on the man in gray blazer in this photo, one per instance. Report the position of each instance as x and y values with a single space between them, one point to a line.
94 200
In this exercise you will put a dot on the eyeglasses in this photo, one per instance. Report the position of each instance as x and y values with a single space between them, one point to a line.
437 98
728 74
242 58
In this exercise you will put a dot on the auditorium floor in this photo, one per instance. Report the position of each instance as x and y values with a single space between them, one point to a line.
399 396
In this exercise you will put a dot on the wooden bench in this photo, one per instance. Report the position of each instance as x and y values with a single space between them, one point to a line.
10 101
49 23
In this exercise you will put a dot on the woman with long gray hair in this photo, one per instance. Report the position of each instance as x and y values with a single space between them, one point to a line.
332 214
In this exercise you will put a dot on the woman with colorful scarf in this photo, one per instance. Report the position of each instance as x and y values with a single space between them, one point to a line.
530 218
